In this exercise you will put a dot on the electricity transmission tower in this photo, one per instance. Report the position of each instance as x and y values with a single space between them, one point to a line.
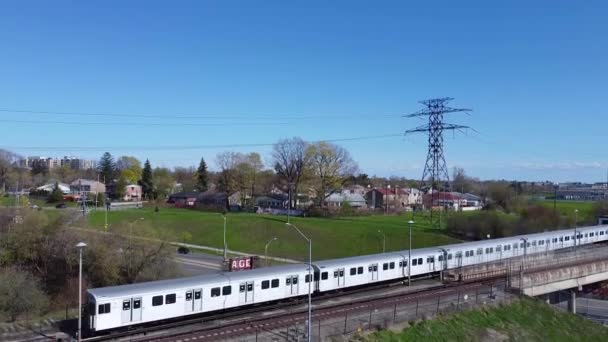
435 176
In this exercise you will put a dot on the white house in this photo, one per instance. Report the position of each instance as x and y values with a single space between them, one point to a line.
337 200
49 187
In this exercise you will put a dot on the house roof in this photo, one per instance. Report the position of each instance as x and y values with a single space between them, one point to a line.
185 194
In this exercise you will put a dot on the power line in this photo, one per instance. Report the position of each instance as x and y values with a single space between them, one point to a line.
225 117
186 147
163 124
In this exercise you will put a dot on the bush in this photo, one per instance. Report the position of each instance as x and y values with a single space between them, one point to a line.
20 294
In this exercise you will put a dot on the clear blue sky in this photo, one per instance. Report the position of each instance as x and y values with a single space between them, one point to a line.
534 73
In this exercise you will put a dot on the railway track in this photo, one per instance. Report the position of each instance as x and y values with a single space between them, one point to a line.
278 316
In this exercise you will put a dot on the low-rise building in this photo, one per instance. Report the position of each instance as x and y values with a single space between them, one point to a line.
339 199
86 186
184 199
49 187
133 192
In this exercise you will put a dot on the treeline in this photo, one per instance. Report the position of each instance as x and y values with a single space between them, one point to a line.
39 261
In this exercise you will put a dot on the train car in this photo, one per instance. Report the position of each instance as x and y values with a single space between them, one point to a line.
118 306
341 273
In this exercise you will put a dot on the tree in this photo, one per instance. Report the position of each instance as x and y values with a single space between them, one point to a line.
202 176
147 182
56 195
131 164
163 182
107 167
20 294
39 167
460 181
227 178
187 177
329 166
64 173
289 159
129 176
120 187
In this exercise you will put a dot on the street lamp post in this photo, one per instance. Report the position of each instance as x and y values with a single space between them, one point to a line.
80 246
576 242
383 241
310 279
523 260
225 245
266 249
409 256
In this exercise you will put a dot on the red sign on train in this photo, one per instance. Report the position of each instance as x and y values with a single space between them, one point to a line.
239 264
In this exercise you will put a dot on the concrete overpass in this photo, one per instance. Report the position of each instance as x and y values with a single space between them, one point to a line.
540 275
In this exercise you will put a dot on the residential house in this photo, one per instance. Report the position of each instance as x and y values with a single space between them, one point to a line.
87 186
49 187
339 199
274 201
213 199
387 198
133 192
184 199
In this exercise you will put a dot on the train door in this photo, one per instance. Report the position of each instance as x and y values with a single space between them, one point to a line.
136 312
131 310
431 262
198 300
291 285
189 301
339 276
194 300
373 272
246 293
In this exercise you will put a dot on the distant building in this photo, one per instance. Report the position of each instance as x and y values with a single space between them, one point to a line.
49 187
133 192
87 186
184 199
273 201
388 198
338 200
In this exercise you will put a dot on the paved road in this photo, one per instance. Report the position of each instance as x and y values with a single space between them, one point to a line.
198 263
587 306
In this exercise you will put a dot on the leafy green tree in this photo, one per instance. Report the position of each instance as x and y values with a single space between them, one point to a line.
163 182
107 167
329 166
120 188
130 163
202 176
56 195
147 181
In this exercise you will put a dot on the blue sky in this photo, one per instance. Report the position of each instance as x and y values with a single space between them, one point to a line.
533 72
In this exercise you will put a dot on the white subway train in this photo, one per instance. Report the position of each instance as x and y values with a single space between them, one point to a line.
126 305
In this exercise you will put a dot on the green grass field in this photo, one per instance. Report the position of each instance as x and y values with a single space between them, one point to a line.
566 208
524 320
332 237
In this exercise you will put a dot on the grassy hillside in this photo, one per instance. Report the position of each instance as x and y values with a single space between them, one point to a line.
566 208
524 320
332 237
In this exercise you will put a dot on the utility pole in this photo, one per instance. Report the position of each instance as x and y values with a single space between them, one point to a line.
435 169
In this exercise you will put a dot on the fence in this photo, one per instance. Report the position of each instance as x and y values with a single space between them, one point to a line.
348 322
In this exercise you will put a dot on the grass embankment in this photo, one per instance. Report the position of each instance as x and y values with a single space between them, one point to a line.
524 320
332 237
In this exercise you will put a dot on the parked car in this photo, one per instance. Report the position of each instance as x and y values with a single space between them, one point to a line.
61 206
183 250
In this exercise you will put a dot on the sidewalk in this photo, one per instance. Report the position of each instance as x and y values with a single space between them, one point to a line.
207 248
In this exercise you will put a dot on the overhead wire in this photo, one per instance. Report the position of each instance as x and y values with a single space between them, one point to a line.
189 147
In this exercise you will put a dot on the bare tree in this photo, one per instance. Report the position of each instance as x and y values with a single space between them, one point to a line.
330 166
289 159
20 294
